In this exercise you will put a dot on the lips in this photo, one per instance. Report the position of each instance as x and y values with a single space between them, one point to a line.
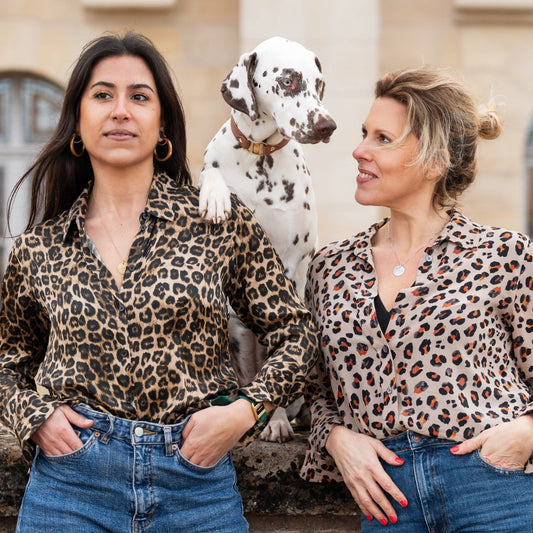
364 176
119 134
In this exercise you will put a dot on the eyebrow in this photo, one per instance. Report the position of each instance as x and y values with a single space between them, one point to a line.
133 86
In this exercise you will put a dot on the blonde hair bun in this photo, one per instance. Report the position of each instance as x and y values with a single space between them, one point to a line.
490 124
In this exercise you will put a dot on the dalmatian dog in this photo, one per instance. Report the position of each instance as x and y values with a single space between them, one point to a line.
275 94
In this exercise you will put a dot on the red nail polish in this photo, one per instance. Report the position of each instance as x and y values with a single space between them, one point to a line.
399 460
383 521
393 519
454 449
403 503
369 518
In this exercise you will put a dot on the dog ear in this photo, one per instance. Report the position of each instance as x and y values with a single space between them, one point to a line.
238 90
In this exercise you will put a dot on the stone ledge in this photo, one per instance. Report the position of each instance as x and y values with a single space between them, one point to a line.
275 498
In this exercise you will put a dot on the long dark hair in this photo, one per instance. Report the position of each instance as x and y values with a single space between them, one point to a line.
57 176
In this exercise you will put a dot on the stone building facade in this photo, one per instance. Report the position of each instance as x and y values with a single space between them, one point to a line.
487 42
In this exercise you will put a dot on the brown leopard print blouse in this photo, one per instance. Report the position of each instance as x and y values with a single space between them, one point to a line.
157 349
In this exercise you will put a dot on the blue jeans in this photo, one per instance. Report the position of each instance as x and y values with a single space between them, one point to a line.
454 494
130 477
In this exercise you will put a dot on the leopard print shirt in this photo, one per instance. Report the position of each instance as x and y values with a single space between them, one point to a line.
156 350
456 357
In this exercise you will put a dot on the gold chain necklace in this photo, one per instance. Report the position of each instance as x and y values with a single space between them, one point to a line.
121 267
399 269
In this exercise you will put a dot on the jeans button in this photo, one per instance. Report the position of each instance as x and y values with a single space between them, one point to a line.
139 431
417 437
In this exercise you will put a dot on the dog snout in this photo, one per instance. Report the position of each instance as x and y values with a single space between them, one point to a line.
325 126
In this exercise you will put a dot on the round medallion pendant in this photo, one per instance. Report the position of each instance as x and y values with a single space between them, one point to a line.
121 267
398 270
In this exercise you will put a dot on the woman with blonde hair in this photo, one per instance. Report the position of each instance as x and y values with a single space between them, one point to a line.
421 400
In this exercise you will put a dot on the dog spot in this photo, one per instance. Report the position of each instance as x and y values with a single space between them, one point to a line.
260 187
306 237
293 121
307 207
289 191
275 69
264 73
215 164
295 240
234 84
317 63
268 201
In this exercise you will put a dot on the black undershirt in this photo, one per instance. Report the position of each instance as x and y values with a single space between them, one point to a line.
382 314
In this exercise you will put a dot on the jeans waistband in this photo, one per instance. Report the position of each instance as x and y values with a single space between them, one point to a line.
132 431
410 440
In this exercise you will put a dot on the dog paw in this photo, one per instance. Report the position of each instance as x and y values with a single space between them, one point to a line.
278 428
215 199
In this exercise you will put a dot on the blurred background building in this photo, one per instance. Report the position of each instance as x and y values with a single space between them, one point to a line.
489 43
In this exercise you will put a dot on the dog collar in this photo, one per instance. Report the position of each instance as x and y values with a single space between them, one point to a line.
252 147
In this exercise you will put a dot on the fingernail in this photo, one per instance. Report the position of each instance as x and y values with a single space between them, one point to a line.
369 518
399 460
383 521
454 449
403 503
393 519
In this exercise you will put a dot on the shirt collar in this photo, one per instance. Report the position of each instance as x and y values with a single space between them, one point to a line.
459 230
160 204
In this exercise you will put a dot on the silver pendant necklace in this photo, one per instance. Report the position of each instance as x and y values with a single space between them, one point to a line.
399 269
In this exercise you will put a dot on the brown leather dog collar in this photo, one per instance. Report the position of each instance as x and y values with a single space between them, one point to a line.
252 147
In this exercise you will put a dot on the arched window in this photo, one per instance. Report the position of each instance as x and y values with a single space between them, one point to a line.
29 111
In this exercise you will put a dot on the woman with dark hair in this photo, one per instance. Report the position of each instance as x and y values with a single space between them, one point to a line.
114 351
421 401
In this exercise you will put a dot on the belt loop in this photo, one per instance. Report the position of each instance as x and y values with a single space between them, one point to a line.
168 441
107 435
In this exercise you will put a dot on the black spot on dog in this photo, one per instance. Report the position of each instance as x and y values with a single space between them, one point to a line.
234 84
289 191
306 238
215 164
295 241
268 201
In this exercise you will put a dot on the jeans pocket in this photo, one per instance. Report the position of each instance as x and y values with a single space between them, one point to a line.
198 468
497 469
88 438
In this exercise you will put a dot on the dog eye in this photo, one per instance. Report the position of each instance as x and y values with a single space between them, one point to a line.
287 82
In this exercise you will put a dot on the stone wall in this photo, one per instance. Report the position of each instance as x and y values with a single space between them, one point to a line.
275 498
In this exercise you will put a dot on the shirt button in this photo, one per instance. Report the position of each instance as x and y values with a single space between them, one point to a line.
121 308
143 227
131 268
122 353
139 431
389 390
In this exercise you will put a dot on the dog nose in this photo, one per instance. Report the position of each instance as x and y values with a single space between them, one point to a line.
325 126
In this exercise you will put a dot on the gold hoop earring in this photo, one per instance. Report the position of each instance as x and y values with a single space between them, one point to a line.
76 139
163 142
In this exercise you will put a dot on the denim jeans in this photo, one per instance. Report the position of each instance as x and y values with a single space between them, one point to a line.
130 477
454 494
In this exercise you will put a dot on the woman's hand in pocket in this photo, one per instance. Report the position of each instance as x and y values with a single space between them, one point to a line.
507 446
212 432
56 436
